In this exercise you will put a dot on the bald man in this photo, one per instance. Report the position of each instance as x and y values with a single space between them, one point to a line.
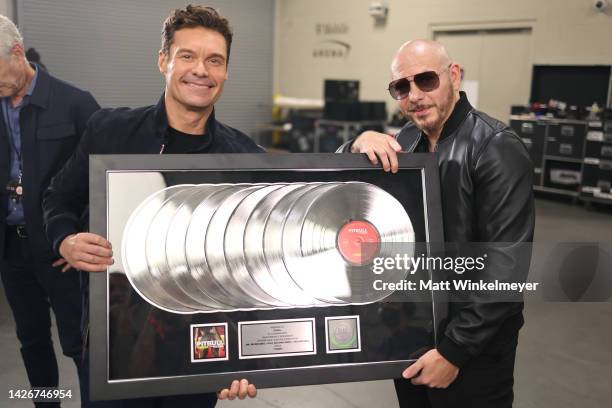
486 184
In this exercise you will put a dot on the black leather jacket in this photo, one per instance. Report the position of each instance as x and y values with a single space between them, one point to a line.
486 181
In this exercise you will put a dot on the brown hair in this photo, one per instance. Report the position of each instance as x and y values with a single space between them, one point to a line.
195 16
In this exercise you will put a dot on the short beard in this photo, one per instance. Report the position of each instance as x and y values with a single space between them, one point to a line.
436 127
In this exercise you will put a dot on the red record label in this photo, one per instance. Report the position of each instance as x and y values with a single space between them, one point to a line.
351 239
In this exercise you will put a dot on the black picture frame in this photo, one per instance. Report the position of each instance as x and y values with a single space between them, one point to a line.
103 388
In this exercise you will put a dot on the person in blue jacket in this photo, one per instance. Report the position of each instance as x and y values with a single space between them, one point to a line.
41 123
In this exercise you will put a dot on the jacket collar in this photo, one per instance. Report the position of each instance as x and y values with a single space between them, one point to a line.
410 137
161 119
42 89
460 112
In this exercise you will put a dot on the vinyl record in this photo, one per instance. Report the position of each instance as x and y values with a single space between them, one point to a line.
223 247
323 236
234 245
133 251
155 250
195 244
214 249
275 238
176 243
273 279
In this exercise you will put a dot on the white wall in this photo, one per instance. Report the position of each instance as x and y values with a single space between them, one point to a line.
6 8
100 46
564 32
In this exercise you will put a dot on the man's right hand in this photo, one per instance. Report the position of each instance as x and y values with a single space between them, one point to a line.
87 252
378 146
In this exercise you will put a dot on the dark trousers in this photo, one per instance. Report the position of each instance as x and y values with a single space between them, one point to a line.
32 288
484 382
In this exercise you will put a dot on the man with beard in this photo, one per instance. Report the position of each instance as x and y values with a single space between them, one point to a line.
486 185
194 57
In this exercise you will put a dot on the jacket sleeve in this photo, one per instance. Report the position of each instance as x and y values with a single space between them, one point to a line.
87 107
409 133
67 196
504 225
346 147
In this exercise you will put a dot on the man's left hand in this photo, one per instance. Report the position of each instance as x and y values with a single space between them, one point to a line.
238 389
62 262
431 370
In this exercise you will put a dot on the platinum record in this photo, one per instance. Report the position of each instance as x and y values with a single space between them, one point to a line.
223 247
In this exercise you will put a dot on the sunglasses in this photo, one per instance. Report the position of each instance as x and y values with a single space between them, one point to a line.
426 81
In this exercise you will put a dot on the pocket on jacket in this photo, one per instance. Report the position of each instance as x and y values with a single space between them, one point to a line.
60 131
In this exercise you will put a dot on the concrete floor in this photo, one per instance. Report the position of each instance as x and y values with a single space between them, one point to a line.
564 357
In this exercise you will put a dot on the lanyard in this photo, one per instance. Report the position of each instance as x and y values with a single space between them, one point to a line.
10 134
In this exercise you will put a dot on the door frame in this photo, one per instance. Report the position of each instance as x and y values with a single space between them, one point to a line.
492 25
488 26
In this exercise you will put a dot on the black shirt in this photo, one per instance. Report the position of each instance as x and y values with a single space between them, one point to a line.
179 142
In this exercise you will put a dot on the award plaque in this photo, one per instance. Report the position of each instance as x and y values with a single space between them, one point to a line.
257 266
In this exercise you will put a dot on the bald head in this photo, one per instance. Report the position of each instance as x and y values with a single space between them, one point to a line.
426 83
419 53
